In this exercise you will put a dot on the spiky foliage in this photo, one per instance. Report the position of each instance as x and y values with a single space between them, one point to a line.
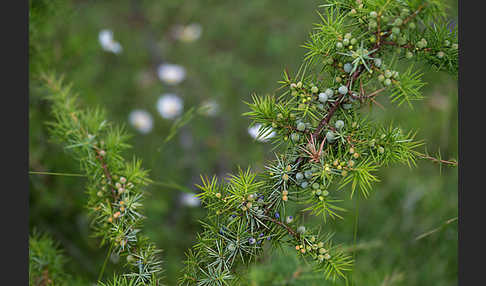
46 261
328 144
115 186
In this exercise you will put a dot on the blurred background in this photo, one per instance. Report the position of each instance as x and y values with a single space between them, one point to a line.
151 63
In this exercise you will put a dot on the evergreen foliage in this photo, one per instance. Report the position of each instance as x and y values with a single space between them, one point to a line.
115 186
325 145
46 261
329 145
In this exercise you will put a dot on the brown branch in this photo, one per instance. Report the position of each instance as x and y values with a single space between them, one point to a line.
413 14
107 173
436 160
288 228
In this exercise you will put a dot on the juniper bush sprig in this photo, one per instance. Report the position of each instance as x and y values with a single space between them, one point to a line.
46 261
115 186
327 142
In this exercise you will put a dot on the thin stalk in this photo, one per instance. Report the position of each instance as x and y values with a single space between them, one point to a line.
105 262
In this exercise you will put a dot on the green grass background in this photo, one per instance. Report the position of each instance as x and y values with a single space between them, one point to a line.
244 48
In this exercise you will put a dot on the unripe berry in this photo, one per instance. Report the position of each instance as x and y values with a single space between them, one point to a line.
455 46
372 24
304 185
218 195
411 25
373 14
293 86
381 77
409 55
301 126
338 79
289 219
339 45
301 229
339 124
348 67
99 194
402 40
398 22
295 137
314 89
381 150
299 84
322 250
348 36
396 30
315 186
330 136
308 174
387 81
353 41
388 73
329 92
343 89
422 43
396 75
323 97
440 55
377 62
299 176
346 42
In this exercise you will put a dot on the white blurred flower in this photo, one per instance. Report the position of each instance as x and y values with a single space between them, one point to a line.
190 200
171 74
255 129
107 42
141 120
170 105
210 107
189 33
